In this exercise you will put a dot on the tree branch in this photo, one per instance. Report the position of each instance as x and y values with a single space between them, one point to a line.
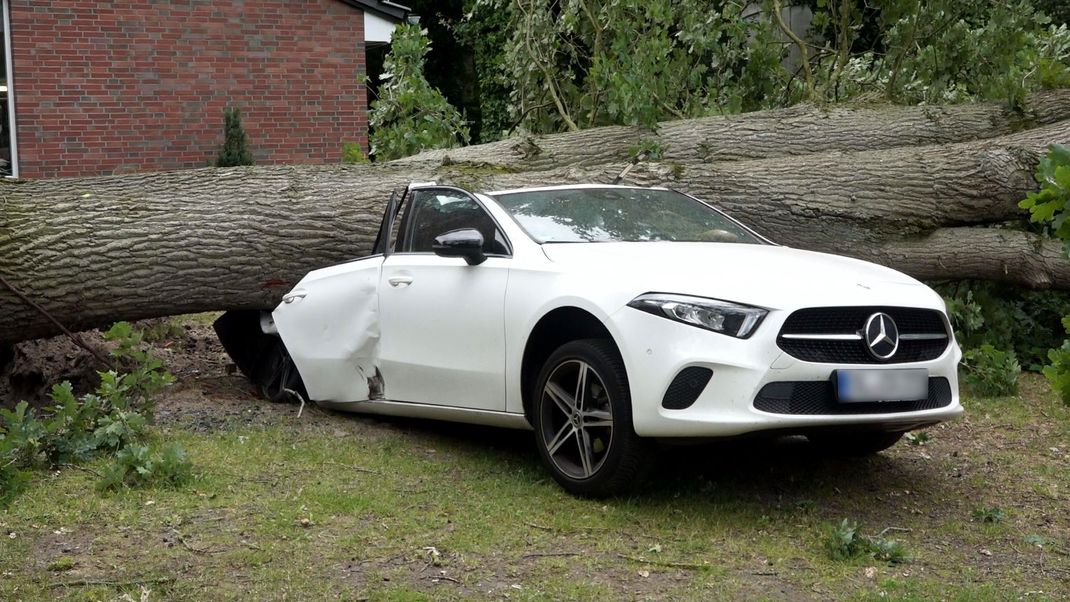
808 73
551 86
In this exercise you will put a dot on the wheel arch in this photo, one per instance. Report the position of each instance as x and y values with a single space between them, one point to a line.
555 328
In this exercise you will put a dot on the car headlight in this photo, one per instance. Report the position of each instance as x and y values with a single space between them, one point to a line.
733 319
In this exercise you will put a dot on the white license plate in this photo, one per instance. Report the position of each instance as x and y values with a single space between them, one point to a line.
860 386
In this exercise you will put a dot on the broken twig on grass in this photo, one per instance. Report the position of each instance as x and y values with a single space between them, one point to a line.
352 467
675 565
186 544
548 554
125 583
299 397
81 468
442 577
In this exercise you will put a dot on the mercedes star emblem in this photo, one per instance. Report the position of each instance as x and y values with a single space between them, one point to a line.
882 336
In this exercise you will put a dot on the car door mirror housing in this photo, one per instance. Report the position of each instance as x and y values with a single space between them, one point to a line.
466 243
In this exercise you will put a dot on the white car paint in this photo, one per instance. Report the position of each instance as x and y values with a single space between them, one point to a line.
446 342
449 338
332 316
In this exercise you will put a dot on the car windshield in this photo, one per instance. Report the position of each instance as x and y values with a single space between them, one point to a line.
619 215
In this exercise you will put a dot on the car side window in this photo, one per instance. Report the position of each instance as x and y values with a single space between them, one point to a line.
430 213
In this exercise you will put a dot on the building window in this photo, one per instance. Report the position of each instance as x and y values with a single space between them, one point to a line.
9 165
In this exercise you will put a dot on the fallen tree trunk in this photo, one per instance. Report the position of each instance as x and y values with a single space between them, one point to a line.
95 250
978 254
869 196
794 131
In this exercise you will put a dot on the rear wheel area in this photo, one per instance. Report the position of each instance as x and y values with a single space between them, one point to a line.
857 444
583 421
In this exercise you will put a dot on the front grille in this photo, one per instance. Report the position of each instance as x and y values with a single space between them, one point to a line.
851 321
854 352
827 320
819 398
686 387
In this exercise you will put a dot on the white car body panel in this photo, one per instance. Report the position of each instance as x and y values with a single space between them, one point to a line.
463 363
454 350
330 324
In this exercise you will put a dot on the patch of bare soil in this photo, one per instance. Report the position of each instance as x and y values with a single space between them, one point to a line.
208 394
430 570
29 369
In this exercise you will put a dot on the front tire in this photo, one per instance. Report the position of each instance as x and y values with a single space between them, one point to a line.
854 445
582 416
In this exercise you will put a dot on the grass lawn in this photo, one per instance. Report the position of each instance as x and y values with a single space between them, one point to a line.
350 507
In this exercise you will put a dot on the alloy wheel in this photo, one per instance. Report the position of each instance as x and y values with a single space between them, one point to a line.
577 419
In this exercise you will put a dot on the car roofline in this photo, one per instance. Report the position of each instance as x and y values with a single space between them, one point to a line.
570 187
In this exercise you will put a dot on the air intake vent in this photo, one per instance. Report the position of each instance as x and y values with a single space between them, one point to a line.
686 388
819 398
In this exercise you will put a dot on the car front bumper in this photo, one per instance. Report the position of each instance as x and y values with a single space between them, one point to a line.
656 349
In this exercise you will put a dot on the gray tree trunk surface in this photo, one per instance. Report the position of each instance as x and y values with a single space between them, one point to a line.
798 130
924 190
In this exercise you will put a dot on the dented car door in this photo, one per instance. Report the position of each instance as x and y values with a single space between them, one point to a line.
330 325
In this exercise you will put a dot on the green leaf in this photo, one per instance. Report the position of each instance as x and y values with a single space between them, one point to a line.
1059 154
63 393
119 331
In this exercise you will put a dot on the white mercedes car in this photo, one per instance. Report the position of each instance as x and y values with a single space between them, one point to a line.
607 318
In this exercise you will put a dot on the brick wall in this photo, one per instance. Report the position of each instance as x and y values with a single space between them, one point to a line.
136 85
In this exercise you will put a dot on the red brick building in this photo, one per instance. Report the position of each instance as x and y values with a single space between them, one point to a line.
94 88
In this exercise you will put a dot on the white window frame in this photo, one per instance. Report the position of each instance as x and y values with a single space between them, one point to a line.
12 131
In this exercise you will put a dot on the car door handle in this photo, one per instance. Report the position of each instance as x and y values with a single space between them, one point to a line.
294 296
399 281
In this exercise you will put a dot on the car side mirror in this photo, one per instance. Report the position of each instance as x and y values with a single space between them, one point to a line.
466 243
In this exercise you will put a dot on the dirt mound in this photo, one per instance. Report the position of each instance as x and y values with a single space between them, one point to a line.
28 370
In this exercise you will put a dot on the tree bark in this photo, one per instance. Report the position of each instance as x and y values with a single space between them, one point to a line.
978 254
798 130
95 250
869 196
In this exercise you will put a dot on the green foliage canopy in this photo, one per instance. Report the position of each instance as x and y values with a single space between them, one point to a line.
958 50
555 65
1050 205
484 31
585 63
410 115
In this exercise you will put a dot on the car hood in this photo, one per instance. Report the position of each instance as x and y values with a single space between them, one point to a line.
770 276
